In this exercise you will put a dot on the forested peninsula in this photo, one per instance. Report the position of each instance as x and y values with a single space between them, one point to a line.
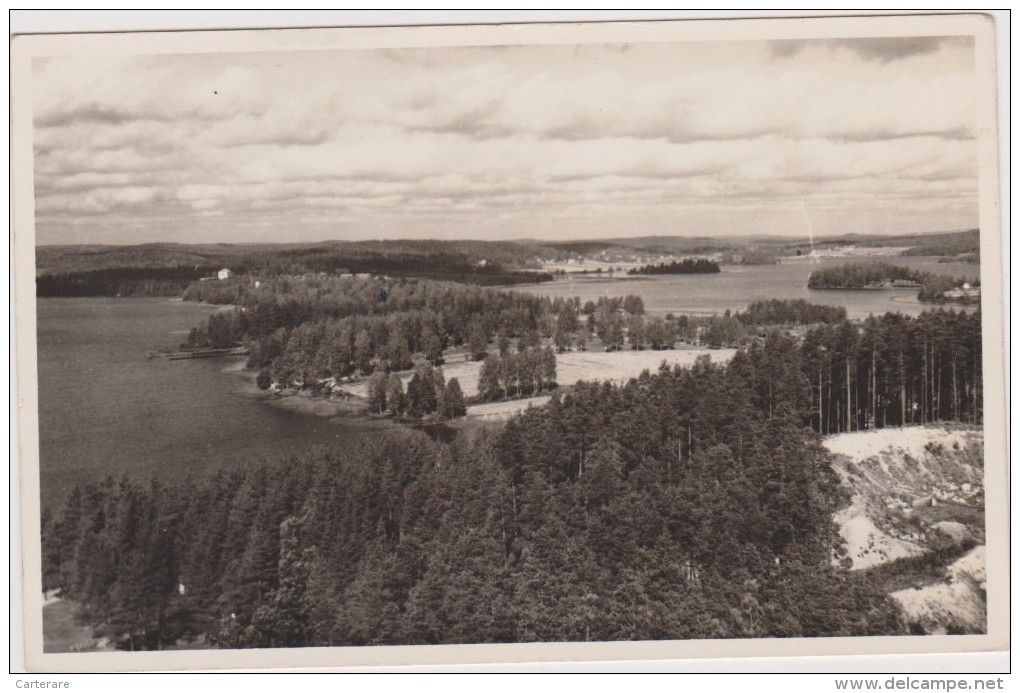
933 288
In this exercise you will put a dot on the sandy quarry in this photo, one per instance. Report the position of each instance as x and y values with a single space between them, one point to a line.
891 473
915 489
860 445
958 601
866 544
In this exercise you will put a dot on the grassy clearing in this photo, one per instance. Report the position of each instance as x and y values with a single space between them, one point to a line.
571 366
615 366
498 411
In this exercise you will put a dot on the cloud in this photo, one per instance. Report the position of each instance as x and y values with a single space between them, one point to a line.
482 141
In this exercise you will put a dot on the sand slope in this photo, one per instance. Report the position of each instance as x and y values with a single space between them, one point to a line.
899 478
915 490
958 603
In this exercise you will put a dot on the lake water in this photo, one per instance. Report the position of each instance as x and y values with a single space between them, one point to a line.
737 286
106 409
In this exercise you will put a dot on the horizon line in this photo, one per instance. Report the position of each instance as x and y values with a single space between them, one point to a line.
523 240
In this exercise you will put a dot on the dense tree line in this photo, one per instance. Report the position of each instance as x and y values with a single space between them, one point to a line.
862 275
790 312
935 288
427 394
617 330
911 240
473 262
73 259
620 323
753 256
698 265
971 258
688 503
406 257
965 243
894 370
305 330
758 257
439 264
122 281
525 373
719 331
328 327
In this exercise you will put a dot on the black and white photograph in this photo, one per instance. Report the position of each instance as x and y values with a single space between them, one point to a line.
670 334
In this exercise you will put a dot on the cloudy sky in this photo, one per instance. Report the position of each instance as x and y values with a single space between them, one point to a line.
727 138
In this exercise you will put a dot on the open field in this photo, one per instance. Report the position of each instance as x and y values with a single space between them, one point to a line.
498 411
616 366
620 366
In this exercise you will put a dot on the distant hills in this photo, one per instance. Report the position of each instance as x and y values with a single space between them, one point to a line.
431 257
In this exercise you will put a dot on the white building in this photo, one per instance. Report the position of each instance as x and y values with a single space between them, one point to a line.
224 274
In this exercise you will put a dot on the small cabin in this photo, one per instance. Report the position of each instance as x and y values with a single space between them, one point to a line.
224 274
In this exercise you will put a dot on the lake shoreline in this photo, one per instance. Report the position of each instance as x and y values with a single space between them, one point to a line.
303 403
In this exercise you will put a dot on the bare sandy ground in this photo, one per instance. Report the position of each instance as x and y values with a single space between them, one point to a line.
955 601
861 445
891 472
867 545
913 489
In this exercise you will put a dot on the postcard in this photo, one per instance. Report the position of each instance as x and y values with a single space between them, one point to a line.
510 343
